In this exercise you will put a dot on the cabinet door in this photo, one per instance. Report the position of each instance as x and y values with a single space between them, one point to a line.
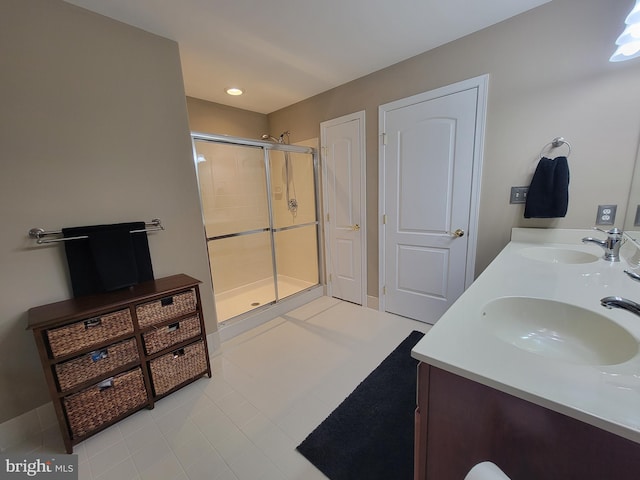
469 423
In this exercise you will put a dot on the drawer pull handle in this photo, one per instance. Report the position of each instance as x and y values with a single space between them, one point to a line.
178 353
105 384
92 322
173 327
165 302
99 355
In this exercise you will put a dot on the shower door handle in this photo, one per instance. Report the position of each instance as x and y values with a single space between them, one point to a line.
355 228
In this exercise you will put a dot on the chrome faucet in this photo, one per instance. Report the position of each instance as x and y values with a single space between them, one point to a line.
623 303
611 245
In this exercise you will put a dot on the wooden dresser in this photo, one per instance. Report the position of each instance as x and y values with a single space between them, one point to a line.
109 355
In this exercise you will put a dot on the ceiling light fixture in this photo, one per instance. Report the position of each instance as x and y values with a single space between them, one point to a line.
234 91
629 41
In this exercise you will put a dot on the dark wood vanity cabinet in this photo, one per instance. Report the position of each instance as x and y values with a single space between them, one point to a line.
460 423
109 355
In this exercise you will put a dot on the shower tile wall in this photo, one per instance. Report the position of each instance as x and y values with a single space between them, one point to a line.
240 261
300 261
301 187
297 243
233 189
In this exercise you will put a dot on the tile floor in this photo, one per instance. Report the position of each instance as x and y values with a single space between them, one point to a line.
270 388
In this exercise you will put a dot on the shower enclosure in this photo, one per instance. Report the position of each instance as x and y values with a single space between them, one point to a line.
259 204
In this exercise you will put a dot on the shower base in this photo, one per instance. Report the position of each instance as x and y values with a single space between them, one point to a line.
243 299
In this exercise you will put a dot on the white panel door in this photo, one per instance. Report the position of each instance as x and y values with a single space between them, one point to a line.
343 171
428 173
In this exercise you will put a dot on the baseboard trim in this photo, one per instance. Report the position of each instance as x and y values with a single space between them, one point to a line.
373 302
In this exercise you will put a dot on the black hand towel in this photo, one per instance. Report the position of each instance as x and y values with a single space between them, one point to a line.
112 250
548 195
110 258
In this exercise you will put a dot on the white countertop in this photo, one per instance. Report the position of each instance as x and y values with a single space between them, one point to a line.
606 396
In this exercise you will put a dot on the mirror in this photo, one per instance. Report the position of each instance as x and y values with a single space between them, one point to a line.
631 225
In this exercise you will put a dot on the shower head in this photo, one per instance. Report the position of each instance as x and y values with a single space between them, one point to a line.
280 139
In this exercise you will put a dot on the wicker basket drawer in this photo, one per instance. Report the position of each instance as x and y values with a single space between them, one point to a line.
161 338
166 308
87 333
95 406
172 369
97 363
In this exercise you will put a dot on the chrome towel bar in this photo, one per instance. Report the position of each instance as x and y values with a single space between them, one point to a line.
40 233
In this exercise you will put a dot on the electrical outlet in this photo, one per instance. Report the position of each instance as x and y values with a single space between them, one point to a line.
518 194
606 214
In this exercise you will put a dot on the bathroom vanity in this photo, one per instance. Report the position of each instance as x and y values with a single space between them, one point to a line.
528 370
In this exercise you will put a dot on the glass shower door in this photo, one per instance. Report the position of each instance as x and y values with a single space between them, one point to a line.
233 190
295 225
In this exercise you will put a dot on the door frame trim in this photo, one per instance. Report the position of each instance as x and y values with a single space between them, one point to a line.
481 83
360 116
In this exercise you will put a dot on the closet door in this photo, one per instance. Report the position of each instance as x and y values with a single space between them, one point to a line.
428 160
344 180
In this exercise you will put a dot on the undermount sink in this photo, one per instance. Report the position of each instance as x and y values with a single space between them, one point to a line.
559 331
558 255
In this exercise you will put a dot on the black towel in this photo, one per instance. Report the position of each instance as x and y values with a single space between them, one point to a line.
109 259
548 195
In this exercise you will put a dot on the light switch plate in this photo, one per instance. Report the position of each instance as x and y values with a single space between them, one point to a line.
518 194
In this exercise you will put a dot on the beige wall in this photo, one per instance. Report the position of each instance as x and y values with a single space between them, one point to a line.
209 117
93 129
549 77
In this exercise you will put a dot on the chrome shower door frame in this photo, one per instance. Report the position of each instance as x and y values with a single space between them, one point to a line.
267 147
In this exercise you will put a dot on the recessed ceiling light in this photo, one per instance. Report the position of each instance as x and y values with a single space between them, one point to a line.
234 91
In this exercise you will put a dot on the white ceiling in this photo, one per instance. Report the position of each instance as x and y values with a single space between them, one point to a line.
284 51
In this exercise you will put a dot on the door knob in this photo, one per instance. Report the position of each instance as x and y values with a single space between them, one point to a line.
458 233
355 227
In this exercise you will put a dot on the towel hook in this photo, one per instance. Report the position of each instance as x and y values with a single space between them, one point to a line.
555 143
